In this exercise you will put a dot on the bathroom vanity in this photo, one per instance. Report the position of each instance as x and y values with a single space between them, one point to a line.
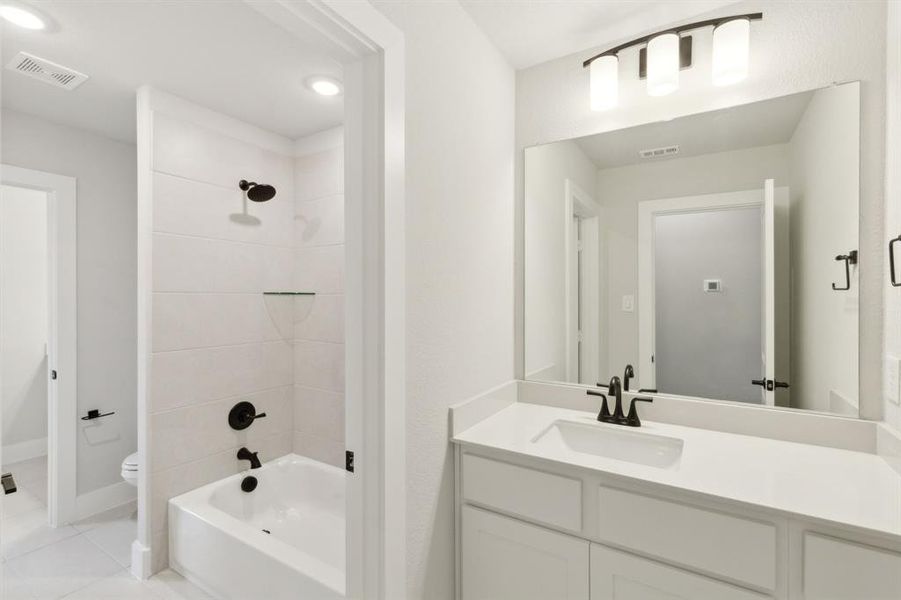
551 503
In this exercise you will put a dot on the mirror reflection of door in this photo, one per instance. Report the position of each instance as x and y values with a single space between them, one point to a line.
583 240
769 192
711 313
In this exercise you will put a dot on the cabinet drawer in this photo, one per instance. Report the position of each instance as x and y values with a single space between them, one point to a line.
534 495
506 559
740 549
840 570
623 576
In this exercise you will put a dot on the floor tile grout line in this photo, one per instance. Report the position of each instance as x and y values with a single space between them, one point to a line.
105 552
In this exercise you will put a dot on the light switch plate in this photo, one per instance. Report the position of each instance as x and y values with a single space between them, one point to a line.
893 378
629 303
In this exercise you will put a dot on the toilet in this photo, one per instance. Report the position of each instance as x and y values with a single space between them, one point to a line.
130 469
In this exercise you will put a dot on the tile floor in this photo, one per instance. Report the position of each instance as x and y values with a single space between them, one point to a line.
87 560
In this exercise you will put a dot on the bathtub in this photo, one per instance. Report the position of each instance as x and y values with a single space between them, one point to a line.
283 540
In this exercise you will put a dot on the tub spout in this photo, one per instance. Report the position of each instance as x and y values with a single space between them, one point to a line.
245 454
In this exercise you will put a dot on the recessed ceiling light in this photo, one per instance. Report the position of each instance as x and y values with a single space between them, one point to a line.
20 15
324 86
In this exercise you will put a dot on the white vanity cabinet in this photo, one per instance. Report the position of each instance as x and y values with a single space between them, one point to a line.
619 575
533 530
507 558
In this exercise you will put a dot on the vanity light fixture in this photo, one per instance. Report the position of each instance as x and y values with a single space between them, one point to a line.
22 15
663 64
604 73
731 48
668 51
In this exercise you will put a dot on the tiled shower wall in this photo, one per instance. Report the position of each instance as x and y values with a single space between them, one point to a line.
215 338
319 320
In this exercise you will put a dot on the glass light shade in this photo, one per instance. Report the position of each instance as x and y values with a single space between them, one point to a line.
604 74
663 64
731 48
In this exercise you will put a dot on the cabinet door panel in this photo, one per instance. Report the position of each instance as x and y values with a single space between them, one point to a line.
506 559
618 575
834 569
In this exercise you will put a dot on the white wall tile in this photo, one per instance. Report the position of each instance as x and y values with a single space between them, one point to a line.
319 412
319 175
318 448
320 222
320 269
186 377
183 321
320 318
191 207
191 264
189 433
319 365
193 152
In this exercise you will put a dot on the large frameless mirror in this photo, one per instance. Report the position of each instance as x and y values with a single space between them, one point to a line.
715 254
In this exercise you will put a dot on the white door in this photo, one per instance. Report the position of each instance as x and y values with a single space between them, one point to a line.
506 559
621 576
768 335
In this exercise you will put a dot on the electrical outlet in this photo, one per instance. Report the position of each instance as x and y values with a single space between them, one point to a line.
893 378
629 303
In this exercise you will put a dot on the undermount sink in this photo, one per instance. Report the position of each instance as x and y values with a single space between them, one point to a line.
609 441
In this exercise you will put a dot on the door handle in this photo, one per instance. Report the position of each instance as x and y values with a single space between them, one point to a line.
891 261
769 384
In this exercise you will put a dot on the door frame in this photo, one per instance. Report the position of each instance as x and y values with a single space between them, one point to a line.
371 50
62 410
647 211
576 201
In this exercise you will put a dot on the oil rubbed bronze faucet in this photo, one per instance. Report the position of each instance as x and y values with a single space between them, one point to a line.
245 454
615 390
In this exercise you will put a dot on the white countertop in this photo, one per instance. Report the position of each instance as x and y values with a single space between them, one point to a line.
842 486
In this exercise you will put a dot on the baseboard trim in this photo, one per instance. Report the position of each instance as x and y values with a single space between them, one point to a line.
103 499
26 450
140 560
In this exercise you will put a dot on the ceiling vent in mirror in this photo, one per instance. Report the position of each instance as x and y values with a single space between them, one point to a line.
659 152
46 71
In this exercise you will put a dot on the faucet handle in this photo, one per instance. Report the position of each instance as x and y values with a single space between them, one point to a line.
632 420
604 414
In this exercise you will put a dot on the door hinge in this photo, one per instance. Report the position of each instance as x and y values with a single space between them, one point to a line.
349 460
53 374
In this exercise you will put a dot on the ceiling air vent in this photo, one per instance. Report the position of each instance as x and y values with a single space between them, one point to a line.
659 152
46 71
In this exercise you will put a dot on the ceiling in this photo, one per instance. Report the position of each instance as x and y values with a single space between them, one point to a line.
530 32
224 55
747 126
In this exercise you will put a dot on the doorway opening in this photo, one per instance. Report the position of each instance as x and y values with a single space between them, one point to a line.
37 352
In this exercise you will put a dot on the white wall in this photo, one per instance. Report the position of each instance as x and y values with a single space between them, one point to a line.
892 347
798 46
547 168
459 166
824 223
23 321
106 291
620 190
216 339
319 320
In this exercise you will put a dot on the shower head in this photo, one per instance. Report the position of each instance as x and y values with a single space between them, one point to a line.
257 192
